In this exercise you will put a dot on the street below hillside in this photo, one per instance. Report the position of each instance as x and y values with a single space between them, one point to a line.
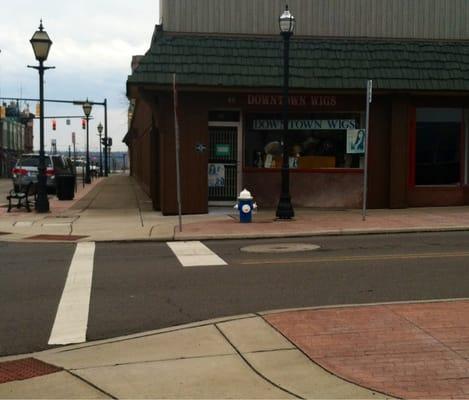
136 287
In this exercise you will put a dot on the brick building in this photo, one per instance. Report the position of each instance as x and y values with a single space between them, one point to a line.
16 135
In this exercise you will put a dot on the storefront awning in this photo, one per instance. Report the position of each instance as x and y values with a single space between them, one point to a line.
256 62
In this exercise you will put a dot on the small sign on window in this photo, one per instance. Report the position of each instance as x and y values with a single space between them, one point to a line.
222 150
356 141
216 175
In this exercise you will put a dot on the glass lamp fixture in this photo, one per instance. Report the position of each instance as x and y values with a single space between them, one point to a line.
287 22
41 44
87 108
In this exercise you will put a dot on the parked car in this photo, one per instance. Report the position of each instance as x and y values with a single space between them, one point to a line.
94 170
80 168
26 170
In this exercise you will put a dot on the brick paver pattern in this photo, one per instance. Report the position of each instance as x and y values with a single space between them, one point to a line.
25 368
405 350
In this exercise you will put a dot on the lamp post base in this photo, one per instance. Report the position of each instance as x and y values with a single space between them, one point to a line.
42 204
285 208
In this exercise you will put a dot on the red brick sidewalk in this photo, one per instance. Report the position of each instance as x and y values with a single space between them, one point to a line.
405 350
311 221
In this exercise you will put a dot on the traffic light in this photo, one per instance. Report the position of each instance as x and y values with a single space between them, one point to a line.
54 125
109 141
83 124
103 141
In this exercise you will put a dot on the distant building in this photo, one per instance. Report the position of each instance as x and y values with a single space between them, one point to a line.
16 135
227 56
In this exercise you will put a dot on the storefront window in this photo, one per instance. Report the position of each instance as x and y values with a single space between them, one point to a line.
438 142
314 141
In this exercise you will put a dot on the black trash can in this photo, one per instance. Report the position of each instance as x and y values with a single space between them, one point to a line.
65 186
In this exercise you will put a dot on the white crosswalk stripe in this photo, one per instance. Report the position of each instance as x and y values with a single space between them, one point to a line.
71 320
195 254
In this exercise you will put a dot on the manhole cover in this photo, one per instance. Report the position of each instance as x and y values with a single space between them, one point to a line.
280 248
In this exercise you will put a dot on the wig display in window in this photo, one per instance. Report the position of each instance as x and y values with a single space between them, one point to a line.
324 146
273 155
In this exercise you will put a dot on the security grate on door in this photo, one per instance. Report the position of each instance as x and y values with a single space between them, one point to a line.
222 170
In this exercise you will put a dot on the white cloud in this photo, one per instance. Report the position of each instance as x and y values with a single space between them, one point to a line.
93 42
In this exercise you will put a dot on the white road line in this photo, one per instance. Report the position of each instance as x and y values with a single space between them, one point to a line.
194 254
71 320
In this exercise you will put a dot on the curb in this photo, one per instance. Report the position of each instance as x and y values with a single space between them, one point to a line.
238 236
66 348
338 232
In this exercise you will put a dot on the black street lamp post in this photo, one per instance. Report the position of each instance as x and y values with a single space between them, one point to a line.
41 45
287 26
100 130
87 106
106 163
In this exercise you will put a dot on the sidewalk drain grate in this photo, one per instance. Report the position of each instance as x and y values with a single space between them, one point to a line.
67 238
25 368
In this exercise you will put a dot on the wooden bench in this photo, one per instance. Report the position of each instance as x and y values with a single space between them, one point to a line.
22 196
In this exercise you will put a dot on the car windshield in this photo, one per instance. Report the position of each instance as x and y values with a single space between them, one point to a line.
31 161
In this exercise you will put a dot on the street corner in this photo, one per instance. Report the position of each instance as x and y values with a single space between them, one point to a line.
232 357
404 350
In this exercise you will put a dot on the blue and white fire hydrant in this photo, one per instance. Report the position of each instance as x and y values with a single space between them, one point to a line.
245 206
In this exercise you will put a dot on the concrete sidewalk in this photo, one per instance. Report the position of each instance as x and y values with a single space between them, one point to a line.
240 358
5 186
405 350
116 209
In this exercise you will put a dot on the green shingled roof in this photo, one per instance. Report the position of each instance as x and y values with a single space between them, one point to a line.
253 62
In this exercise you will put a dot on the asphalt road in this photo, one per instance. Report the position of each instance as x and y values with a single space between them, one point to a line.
142 286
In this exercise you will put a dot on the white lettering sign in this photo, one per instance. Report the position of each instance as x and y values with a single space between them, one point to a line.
305 124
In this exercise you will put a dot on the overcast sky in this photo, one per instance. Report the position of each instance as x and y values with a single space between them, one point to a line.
93 42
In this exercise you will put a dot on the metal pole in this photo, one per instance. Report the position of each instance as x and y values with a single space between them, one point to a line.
100 157
369 98
178 169
88 177
42 203
285 208
75 164
106 166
